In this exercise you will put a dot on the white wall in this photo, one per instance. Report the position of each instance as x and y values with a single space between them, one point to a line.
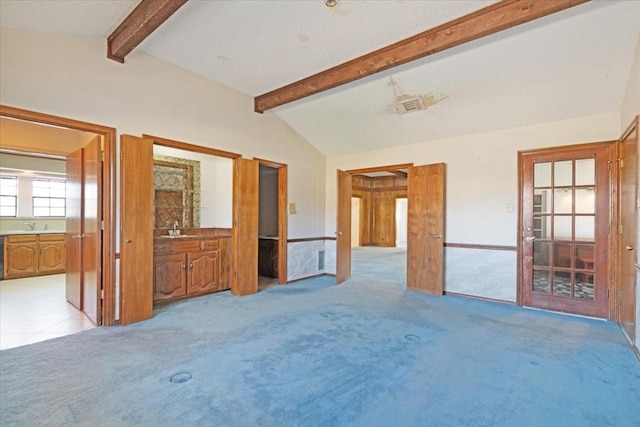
70 76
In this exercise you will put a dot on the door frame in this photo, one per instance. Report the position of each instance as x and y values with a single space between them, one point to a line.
283 215
612 240
106 194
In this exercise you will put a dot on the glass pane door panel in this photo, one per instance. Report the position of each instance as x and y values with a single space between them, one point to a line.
542 227
584 257
585 201
563 200
586 172
542 201
563 173
585 228
562 228
541 253
542 175
562 255
584 286
562 283
541 282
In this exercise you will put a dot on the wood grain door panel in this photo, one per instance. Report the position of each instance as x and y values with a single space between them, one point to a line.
136 235
628 239
91 230
343 227
425 228
244 278
73 286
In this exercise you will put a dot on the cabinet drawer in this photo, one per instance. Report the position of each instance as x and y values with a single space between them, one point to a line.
187 246
22 238
162 246
52 237
207 245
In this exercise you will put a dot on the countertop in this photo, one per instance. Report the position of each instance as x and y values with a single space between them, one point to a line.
19 232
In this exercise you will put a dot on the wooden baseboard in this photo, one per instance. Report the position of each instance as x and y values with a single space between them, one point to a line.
311 277
500 301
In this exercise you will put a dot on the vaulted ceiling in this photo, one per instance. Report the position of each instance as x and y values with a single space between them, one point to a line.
569 64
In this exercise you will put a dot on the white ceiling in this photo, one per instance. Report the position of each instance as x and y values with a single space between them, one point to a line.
571 64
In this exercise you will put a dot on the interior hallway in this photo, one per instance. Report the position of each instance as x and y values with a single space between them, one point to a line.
34 309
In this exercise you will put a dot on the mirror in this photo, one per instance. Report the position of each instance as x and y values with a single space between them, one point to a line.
194 189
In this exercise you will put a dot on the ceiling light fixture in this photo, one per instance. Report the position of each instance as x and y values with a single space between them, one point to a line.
331 3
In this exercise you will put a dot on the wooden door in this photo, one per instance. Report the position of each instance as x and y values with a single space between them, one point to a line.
91 230
565 196
343 228
244 278
136 230
425 228
628 237
73 245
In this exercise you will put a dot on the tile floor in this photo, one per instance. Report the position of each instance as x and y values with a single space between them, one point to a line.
34 309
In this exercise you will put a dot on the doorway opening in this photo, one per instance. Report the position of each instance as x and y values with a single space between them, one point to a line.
41 256
272 223
425 220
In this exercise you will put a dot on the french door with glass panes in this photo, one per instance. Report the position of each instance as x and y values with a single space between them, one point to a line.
565 229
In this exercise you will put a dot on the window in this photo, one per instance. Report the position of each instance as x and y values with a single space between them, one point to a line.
49 197
8 195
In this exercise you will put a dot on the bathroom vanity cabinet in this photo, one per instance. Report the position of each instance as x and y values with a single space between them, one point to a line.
33 254
190 265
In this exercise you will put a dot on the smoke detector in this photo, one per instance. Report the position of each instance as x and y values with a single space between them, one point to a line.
404 103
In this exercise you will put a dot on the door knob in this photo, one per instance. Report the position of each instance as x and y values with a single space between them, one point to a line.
530 238
629 248
127 240
437 236
338 233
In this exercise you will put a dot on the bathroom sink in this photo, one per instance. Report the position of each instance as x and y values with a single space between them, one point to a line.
180 236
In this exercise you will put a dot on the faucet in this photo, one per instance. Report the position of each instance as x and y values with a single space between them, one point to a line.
175 226
31 226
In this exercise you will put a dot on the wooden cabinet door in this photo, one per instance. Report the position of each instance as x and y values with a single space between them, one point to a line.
202 272
425 228
136 231
169 276
244 280
21 259
51 257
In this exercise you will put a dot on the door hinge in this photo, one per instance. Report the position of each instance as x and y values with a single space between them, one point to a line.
102 225
609 165
102 294
620 229
121 225
235 223
621 163
102 156
235 273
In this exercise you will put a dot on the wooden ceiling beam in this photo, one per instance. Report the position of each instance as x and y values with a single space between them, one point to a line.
138 25
489 20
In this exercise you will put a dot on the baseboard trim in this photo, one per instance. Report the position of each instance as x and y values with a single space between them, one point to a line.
476 246
500 301
311 277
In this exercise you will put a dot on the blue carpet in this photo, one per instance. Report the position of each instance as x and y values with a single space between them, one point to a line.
366 353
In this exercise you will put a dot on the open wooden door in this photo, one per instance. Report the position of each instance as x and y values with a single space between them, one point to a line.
136 231
73 243
91 230
628 237
244 236
343 228
425 229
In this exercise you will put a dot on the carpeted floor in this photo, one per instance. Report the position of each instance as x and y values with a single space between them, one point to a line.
365 353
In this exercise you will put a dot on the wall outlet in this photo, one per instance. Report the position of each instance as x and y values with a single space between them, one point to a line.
509 207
